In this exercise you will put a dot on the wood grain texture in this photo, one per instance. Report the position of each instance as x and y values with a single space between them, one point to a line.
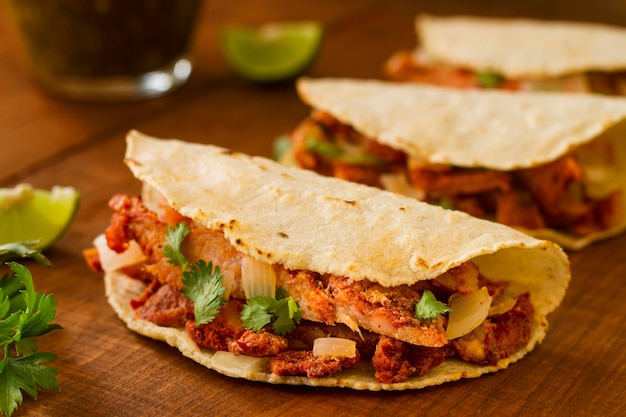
105 370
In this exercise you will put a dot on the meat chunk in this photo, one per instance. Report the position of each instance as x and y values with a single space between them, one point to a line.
224 328
515 208
167 307
446 181
259 344
306 332
303 362
396 361
498 337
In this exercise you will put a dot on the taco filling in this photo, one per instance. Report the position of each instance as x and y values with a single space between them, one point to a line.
479 321
416 66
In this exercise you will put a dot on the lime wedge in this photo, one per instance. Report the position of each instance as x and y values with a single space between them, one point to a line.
273 51
28 214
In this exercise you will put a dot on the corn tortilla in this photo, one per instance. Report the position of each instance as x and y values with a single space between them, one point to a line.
519 47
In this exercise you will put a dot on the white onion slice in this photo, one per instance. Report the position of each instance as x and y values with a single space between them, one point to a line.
111 260
238 364
501 304
334 346
228 282
468 312
257 278
399 184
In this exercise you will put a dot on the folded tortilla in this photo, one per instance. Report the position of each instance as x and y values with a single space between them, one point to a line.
494 129
514 54
522 47
304 221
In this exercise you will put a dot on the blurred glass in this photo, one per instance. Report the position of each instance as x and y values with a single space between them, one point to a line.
106 50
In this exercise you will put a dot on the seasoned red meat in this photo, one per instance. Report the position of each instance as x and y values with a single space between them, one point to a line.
396 361
380 320
445 181
306 332
498 337
217 334
167 307
258 344
303 362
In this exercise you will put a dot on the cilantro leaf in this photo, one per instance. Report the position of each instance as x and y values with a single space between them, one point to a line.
488 79
283 313
287 316
174 240
254 314
203 285
429 307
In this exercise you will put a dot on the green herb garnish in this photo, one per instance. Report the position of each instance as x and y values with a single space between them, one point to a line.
280 147
333 151
489 79
24 315
202 283
445 203
429 307
283 313
174 240
23 250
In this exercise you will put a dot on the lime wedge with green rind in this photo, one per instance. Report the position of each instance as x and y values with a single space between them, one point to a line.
29 214
273 51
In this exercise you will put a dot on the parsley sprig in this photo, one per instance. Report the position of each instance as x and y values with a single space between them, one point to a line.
201 282
24 315
283 313
429 307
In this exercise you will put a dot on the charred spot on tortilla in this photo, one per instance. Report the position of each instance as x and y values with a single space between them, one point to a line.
347 202
230 226
283 235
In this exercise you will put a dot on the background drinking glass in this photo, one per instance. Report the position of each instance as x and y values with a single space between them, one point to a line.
106 49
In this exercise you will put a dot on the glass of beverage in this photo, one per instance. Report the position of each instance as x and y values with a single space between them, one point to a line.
105 50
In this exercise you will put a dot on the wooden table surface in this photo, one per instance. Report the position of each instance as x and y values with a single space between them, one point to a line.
106 370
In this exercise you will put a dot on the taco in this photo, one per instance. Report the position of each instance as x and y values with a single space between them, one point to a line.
277 274
514 54
551 164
